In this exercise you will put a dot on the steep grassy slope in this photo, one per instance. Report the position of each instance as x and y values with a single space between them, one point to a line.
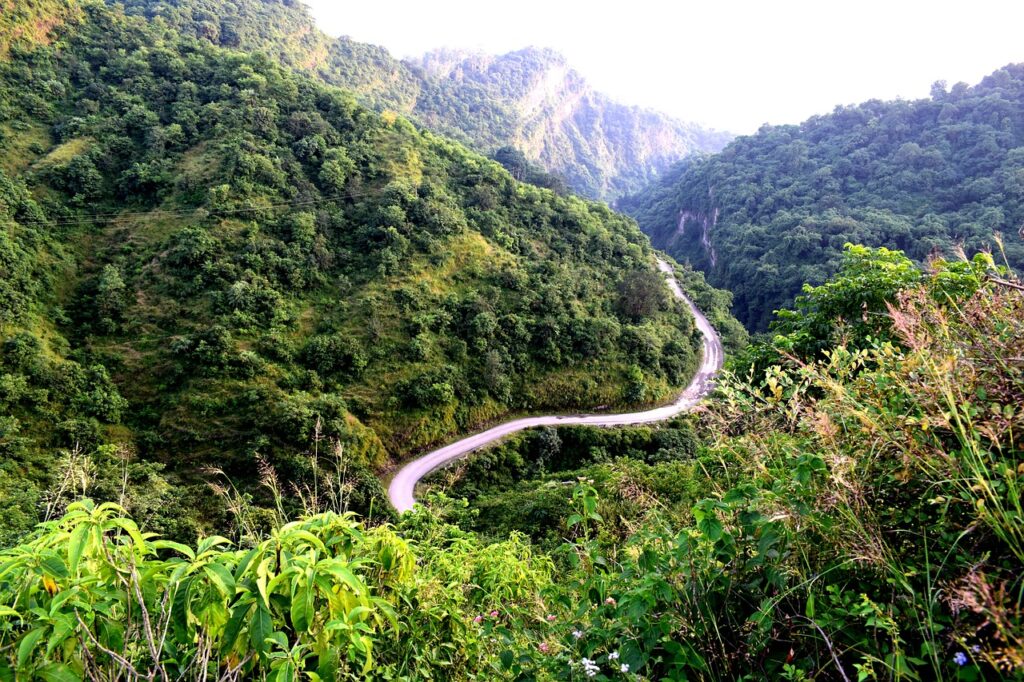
25 23
209 261
774 209
530 99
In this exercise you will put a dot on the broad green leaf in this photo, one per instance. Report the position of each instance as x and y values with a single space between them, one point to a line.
128 526
63 627
58 672
76 545
286 673
711 527
329 661
184 550
388 611
302 607
221 578
179 610
54 566
239 612
207 544
260 628
343 574
28 645
243 565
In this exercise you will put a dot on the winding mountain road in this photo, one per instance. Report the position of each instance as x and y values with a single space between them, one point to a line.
402 487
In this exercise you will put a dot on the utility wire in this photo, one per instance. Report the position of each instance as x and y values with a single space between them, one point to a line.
112 217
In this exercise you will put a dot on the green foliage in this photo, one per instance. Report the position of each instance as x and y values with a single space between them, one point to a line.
524 170
854 515
856 512
521 484
204 255
603 149
641 294
90 594
774 210
853 307
32 22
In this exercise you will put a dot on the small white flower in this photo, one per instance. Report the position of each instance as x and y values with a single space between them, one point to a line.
624 667
578 635
613 656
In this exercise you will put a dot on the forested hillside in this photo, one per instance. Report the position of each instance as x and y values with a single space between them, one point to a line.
530 99
773 210
848 515
213 267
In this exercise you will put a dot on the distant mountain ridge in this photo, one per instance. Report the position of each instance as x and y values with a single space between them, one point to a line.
603 148
530 99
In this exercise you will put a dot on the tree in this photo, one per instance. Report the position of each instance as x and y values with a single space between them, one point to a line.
514 161
111 294
549 446
636 389
641 294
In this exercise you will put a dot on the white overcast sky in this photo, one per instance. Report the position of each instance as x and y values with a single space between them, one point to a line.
727 64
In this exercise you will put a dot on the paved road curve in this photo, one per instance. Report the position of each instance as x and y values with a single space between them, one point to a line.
400 492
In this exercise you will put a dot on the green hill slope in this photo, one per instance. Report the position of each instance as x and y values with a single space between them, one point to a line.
209 261
530 99
773 210
853 515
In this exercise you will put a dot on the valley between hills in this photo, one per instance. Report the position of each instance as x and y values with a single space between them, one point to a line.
321 364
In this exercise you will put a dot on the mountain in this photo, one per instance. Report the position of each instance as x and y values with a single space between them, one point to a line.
212 265
230 294
774 209
603 148
529 99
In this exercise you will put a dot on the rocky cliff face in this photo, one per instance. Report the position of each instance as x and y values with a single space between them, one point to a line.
603 148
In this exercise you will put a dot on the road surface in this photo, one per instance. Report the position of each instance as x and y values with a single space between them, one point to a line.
403 485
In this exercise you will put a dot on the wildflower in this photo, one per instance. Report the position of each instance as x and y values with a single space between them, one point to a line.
544 648
478 619
610 601
590 669
551 617
577 634
976 649
960 658
624 668
613 656
494 614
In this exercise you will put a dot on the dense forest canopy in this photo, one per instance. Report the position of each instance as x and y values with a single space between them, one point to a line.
774 209
211 261
529 99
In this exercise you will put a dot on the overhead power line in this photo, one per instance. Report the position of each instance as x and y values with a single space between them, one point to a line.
113 217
